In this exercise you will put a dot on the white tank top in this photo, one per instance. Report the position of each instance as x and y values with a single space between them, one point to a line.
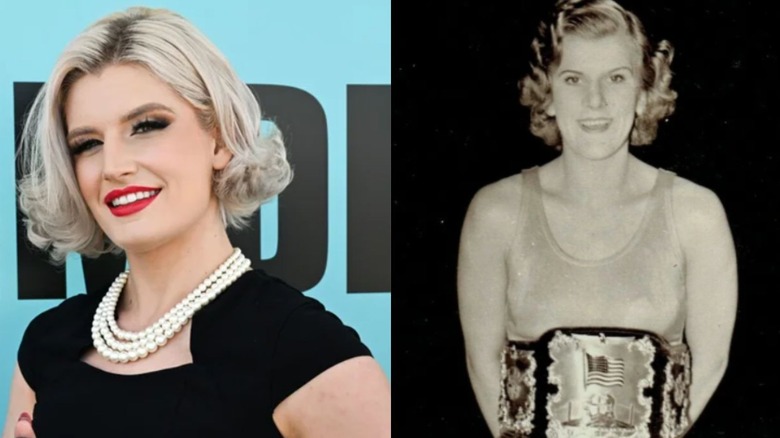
642 286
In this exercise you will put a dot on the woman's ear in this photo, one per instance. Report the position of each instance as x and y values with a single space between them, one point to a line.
222 155
641 103
550 110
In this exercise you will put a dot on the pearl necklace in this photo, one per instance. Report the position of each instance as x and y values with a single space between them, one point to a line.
121 346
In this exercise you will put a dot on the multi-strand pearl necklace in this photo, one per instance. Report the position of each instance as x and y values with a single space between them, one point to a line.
121 346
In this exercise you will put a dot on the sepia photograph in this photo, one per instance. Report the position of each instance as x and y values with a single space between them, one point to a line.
584 219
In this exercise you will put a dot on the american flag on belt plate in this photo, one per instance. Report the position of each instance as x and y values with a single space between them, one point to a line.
603 371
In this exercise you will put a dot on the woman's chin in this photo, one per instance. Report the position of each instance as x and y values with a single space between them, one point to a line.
138 244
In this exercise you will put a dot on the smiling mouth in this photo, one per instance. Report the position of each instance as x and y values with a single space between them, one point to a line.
131 203
131 198
595 125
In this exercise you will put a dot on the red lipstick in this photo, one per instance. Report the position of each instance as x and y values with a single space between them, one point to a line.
132 207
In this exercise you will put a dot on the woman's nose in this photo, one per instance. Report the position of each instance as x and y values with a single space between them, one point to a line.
117 160
595 97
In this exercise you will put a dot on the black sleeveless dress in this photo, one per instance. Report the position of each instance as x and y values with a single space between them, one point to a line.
254 345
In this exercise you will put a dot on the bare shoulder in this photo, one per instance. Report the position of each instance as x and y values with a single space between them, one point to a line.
495 206
693 202
698 212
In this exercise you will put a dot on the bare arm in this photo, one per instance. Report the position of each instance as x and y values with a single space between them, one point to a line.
711 283
22 400
350 399
487 232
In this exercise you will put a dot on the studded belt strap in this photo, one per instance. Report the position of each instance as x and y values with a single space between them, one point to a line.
594 382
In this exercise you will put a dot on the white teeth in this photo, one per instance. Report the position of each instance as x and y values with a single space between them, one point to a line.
133 197
595 125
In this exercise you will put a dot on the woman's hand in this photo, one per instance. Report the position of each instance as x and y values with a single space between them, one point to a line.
24 427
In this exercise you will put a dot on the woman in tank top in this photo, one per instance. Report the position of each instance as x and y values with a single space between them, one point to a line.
594 280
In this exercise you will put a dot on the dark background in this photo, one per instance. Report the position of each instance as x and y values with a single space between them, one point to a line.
457 126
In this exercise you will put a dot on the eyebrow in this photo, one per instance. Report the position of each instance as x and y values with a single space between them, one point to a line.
143 109
562 72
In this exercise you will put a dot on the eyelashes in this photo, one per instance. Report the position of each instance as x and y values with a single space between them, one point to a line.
82 146
613 78
617 78
144 126
149 124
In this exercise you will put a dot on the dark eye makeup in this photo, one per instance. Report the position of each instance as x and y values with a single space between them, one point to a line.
146 125
82 146
149 124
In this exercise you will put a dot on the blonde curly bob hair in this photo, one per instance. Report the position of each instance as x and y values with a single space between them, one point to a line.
170 47
593 19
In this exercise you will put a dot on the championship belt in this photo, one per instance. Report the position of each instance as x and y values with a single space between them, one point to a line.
594 382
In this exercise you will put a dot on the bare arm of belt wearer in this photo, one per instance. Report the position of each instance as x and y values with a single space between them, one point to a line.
22 400
711 286
487 232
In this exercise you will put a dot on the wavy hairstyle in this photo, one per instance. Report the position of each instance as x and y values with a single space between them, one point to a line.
593 19
170 47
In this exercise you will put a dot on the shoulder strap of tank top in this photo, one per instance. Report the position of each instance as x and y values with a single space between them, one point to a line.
529 188
665 181
663 199
532 190
664 196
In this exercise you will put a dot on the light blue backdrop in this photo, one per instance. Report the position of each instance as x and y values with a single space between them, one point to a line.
317 46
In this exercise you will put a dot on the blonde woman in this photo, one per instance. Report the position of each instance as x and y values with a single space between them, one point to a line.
597 293
144 140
